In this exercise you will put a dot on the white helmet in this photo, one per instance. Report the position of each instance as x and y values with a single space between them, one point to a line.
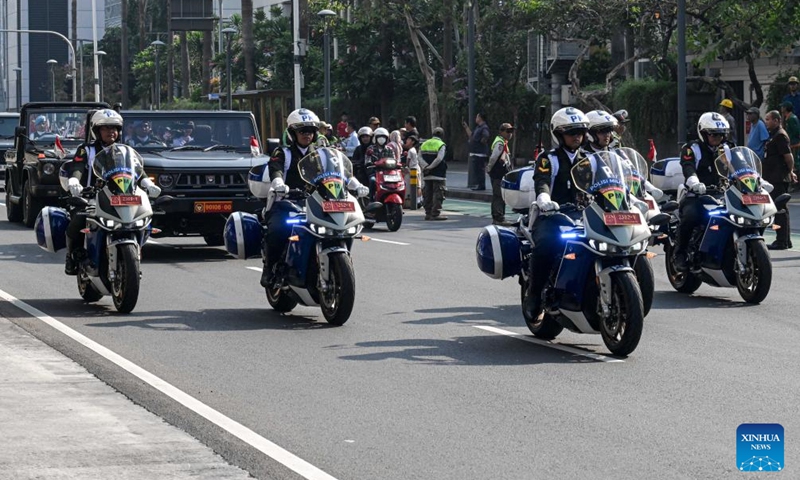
712 122
302 118
568 118
599 120
105 117
364 131
381 132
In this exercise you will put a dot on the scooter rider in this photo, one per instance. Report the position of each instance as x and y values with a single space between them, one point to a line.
697 162
303 128
360 154
106 126
378 150
553 184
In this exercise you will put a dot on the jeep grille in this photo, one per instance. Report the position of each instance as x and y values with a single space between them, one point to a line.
211 180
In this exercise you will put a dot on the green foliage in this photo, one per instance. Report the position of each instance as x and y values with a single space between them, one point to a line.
188 104
651 106
780 88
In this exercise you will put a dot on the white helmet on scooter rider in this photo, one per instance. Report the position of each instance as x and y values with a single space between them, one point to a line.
302 118
381 133
566 119
712 122
600 120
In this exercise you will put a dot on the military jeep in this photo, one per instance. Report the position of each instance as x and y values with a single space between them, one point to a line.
33 163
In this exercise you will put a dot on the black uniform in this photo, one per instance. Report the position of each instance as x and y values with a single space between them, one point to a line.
546 232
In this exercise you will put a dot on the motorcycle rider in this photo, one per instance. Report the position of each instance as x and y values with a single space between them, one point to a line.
553 185
378 150
106 125
360 154
697 161
303 128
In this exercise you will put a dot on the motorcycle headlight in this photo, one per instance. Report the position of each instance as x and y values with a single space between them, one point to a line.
139 223
48 168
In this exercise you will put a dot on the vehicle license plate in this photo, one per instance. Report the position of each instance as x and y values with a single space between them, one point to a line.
755 199
333 206
620 218
392 178
125 200
213 207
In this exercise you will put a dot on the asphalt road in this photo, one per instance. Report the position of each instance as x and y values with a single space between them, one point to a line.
412 387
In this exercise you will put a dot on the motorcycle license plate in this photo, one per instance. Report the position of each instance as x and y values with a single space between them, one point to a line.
125 200
392 178
755 199
213 207
334 206
620 218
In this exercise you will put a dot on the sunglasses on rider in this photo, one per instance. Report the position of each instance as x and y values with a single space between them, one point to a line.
574 132
605 130
715 134
307 131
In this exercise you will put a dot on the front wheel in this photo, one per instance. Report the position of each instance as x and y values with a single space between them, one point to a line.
125 286
13 210
622 329
30 206
216 240
394 216
647 282
683 282
753 283
337 302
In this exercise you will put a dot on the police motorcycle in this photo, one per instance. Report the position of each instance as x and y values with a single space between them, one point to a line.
594 289
118 215
315 268
729 249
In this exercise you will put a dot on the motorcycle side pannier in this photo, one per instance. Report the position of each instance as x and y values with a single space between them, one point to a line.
517 188
498 252
667 174
51 228
243 235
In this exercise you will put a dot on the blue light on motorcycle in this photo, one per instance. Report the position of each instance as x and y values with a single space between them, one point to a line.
293 221
569 235
717 212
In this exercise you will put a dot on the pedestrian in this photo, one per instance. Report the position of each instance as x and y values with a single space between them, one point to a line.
619 129
792 126
396 144
779 170
434 173
350 140
478 151
758 132
794 95
341 127
411 162
725 108
499 164
322 138
411 125
374 123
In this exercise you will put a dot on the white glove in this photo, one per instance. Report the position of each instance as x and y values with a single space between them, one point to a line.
695 185
75 187
545 204
152 189
657 193
767 186
279 187
362 191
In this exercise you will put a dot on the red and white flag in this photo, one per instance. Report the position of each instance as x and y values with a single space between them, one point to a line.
254 150
59 149
652 155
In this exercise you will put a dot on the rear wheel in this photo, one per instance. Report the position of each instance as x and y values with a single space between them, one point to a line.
622 329
394 216
30 206
542 326
214 240
754 282
13 210
647 282
88 292
337 302
125 286
684 282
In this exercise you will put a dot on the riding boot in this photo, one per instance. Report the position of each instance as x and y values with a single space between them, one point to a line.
540 270
684 237
271 256
70 265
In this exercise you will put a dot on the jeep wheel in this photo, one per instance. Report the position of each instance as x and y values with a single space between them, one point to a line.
30 206
214 240
13 210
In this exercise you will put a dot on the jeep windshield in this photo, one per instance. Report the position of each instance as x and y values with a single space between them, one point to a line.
45 124
158 132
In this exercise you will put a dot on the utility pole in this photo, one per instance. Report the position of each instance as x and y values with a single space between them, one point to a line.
124 56
681 72
94 49
296 37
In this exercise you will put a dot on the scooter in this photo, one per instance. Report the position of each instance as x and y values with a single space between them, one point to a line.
390 191
729 249
118 215
315 268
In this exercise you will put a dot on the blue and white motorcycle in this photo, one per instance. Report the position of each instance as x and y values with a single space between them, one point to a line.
118 215
315 268
729 248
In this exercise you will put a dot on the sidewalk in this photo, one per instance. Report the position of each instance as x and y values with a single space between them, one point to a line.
60 422
457 184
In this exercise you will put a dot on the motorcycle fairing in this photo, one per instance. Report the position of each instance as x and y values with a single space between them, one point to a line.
123 214
336 220
619 235
572 274
733 202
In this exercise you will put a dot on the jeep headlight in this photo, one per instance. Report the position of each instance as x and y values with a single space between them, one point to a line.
166 180
48 168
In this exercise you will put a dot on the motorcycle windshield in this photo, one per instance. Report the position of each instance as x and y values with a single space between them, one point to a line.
120 167
634 167
742 168
327 170
600 175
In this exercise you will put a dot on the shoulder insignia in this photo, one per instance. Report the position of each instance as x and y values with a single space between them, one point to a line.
544 165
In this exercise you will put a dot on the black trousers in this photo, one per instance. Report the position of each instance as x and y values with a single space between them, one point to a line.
77 223
547 247
692 214
498 205
784 234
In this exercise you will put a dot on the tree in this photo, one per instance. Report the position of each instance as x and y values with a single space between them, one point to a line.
247 40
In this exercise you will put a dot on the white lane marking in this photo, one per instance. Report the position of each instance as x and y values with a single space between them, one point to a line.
288 459
544 343
373 239
257 269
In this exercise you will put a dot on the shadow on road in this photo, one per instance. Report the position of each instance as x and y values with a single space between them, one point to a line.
664 300
510 315
169 253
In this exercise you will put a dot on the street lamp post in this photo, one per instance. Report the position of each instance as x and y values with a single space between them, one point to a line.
99 54
52 64
19 87
228 31
326 16
156 44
